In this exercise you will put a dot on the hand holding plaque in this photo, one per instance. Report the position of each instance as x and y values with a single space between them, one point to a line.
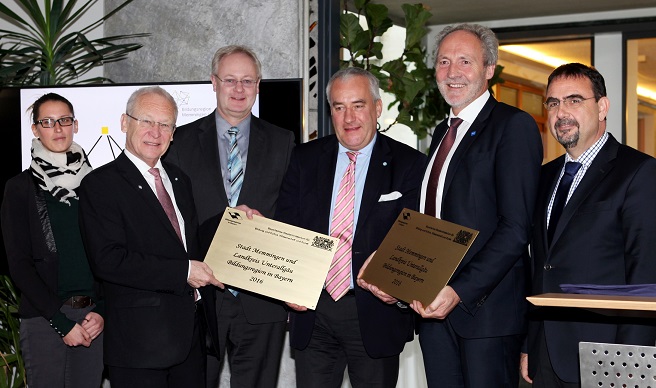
418 256
271 258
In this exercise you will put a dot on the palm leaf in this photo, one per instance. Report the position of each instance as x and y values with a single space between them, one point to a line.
46 51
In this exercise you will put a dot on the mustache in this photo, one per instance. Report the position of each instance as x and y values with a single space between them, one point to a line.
566 121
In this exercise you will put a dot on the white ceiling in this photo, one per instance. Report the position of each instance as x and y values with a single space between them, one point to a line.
449 11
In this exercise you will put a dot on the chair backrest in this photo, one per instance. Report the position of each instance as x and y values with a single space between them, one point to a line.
613 365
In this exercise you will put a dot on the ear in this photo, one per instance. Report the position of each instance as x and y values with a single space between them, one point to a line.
124 123
489 71
379 107
213 78
75 126
604 106
35 132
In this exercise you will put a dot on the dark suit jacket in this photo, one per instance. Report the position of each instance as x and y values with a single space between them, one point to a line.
605 235
304 201
134 250
195 151
491 184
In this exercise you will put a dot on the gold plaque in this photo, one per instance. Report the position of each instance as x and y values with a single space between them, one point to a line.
418 256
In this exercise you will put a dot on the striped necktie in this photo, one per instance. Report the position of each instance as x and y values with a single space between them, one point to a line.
338 281
235 168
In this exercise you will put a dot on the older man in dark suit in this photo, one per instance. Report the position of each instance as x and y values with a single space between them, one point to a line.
483 174
139 227
233 157
352 185
595 223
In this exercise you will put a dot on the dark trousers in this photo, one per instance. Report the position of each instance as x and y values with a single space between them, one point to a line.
254 351
545 377
188 374
336 344
452 361
49 362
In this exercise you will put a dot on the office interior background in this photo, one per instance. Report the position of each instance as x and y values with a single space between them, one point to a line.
618 38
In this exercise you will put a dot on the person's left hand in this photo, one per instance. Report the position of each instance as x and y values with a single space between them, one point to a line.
94 324
523 367
445 301
371 288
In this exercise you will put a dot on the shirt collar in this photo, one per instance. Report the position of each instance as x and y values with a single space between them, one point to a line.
469 113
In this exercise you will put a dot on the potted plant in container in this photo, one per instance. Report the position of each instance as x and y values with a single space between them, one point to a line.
48 52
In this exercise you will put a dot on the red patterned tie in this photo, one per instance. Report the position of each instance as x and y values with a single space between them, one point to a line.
165 200
440 158
338 281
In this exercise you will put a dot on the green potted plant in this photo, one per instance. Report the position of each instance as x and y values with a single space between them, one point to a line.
12 370
48 52
408 77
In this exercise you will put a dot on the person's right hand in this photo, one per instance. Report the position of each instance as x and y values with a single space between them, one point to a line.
77 336
296 307
249 212
200 274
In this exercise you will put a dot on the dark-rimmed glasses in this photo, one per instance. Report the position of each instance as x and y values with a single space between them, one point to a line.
50 123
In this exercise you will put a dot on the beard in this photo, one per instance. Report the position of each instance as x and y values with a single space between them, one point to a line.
472 91
570 139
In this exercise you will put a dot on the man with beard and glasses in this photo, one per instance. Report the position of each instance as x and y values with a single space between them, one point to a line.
482 175
600 230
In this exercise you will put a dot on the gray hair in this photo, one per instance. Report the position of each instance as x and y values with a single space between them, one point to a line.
489 41
350 72
137 94
235 49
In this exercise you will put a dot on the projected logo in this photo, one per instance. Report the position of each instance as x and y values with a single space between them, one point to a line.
104 131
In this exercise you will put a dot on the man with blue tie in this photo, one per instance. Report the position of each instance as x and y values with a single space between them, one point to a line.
234 157
351 185
594 223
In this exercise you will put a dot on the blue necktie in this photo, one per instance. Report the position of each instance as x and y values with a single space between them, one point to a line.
235 168
236 172
571 168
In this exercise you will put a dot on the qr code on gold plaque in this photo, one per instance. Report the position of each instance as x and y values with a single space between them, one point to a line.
323 243
463 237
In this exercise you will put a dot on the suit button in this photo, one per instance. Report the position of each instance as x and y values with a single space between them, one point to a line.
547 267
191 293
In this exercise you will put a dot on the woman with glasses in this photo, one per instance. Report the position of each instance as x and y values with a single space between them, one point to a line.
60 306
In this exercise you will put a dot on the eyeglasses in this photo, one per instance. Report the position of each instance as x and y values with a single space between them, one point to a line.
232 83
168 128
572 102
50 123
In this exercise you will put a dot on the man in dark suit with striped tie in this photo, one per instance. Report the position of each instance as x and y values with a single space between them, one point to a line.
234 157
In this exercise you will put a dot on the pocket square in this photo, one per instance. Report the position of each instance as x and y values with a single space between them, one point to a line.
390 197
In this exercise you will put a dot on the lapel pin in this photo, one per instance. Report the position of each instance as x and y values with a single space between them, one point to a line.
139 186
472 133
384 163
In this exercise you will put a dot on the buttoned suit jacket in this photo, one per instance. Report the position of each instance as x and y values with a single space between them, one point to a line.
305 200
195 151
490 186
605 235
134 250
